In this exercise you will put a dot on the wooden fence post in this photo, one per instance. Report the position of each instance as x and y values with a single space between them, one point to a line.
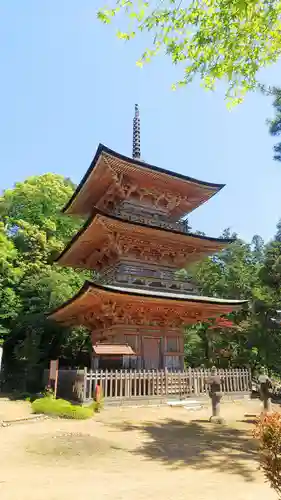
164 383
249 379
85 385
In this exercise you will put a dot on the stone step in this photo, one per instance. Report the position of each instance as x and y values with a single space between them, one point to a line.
184 402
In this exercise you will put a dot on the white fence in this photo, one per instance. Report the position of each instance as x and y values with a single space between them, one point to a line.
128 384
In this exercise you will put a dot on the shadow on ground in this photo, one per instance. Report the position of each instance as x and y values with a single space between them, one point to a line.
69 445
15 396
197 444
251 421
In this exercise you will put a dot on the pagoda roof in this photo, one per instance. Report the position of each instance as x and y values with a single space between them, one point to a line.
107 165
104 236
95 305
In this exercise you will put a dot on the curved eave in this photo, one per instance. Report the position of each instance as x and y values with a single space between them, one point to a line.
221 242
104 149
147 296
170 296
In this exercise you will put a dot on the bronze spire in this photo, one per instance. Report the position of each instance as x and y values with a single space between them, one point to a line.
136 134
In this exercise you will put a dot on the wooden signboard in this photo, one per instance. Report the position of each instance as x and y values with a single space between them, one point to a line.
53 375
1 354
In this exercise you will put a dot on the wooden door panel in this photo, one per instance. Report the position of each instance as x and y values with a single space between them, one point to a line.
151 353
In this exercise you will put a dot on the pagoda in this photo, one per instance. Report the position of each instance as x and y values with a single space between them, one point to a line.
135 239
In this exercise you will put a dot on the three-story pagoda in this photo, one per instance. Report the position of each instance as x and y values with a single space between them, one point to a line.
136 238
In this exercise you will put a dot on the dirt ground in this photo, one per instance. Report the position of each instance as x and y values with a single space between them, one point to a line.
157 453
13 410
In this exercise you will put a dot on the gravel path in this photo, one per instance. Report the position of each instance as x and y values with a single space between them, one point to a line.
139 453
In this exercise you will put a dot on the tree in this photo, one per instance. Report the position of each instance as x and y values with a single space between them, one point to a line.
38 201
10 276
270 273
32 232
240 271
258 248
212 39
230 273
275 123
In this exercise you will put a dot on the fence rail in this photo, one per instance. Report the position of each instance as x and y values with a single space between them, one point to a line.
80 385
128 384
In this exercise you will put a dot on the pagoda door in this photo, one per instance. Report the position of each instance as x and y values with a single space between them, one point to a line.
151 353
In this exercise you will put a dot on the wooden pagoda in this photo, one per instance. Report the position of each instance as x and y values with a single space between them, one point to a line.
136 238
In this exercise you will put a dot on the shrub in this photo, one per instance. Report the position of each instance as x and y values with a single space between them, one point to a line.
268 432
96 406
61 408
23 396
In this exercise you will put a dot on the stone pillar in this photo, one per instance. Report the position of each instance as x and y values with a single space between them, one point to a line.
266 404
216 406
265 394
215 394
265 398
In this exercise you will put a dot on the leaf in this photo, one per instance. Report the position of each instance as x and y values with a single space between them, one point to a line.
214 40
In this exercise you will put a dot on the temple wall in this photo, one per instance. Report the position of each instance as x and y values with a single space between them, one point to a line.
154 347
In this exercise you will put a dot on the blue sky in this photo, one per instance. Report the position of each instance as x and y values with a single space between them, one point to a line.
67 84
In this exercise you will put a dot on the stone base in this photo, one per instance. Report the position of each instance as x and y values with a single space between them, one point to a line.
216 420
266 412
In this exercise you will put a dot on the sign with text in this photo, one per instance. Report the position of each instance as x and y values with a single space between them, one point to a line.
53 375
53 369
1 354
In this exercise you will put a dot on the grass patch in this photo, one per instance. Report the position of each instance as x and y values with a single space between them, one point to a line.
61 408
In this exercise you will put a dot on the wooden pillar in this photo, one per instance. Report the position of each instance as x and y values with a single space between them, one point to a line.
182 363
95 362
162 353
139 362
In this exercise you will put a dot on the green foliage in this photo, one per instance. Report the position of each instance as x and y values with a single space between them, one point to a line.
249 271
32 232
61 408
212 39
97 406
268 432
10 276
231 273
38 202
275 123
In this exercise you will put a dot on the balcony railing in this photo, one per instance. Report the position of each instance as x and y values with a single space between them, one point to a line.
153 220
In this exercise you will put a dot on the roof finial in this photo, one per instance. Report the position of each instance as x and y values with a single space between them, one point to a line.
136 134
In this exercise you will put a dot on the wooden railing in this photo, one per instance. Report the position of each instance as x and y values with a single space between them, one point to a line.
128 384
